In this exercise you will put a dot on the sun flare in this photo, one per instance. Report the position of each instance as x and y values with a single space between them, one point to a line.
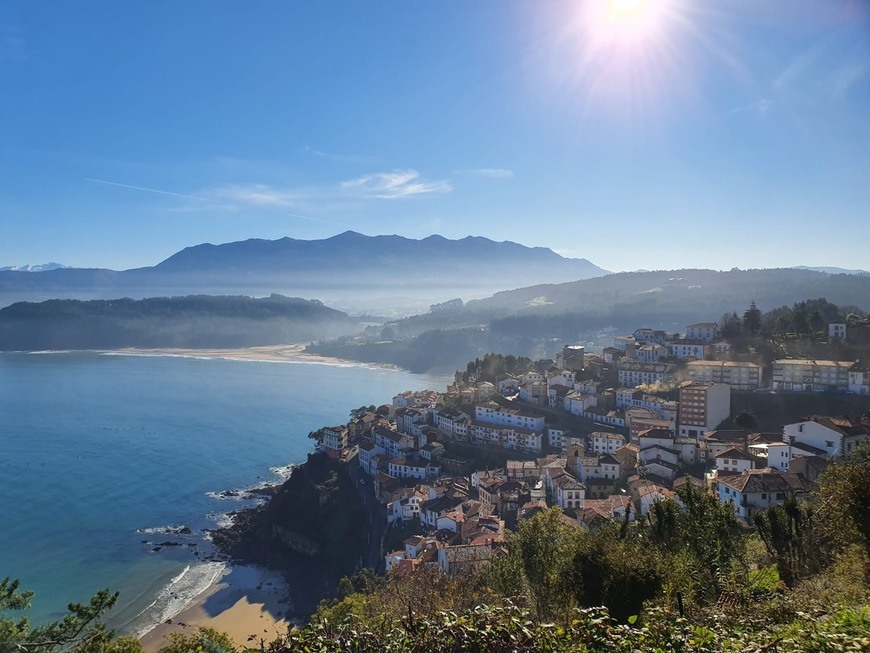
629 23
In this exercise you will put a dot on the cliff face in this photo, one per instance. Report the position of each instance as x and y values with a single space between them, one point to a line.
314 529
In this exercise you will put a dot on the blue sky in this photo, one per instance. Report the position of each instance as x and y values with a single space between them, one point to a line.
636 133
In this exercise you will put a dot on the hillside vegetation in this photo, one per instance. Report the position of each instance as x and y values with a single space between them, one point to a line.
537 321
689 579
192 322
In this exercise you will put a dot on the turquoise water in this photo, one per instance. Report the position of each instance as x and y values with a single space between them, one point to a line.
100 452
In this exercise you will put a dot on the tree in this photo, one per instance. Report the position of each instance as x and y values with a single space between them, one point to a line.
843 499
746 421
361 411
788 535
752 319
205 640
79 631
535 565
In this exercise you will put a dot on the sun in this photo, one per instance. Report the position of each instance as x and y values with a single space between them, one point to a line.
627 23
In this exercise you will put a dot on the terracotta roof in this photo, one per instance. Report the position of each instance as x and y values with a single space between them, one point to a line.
734 452
764 480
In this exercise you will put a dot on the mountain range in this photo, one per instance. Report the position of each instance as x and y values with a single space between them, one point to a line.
339 269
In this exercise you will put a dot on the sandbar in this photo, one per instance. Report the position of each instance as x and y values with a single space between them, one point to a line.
270 353
247 603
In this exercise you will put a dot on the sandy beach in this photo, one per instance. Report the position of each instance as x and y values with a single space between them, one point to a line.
247 603
270 353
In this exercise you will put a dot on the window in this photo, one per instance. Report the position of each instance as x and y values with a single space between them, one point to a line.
763 496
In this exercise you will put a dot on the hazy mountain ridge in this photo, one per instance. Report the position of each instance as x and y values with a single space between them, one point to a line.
187 322
40 267
346 264
830 269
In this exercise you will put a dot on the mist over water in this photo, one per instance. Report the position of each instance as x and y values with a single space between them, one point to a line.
98 453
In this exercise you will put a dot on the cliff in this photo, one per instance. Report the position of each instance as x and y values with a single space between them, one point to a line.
314 529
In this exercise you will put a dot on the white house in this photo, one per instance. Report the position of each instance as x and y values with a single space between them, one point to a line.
605 442
688 349
568 492
393 442
706 331
758 489
577 403
780 454
492 413
736 460
836 436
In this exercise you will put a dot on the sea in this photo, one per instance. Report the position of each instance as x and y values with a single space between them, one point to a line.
104 458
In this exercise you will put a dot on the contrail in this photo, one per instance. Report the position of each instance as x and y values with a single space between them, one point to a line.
150 190
305 217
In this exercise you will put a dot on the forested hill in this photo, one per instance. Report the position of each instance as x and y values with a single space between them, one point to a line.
198 321
536 321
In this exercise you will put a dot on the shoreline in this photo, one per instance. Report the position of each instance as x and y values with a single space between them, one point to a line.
289 353
294 353
246 602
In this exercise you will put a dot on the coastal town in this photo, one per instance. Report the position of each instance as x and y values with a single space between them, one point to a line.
600 436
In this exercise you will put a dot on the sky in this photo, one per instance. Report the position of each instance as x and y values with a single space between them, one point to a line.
639 134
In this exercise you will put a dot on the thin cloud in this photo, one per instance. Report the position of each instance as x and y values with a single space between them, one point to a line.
760 108
847 76
345 158
489 173
149 190
256 195
393 185
798 68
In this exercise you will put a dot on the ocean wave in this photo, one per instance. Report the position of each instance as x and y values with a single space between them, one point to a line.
221 520
177 595
172 529
284 472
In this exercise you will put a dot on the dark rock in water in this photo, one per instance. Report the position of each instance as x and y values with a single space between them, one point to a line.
169 544
156 548
146 542
184 530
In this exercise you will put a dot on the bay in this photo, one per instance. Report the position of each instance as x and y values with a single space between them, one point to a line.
100 453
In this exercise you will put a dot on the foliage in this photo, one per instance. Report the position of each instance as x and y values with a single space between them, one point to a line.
535 566
205 640
506 627
752 319
843 498
787 532
79 631
703 527
192 322
491 366
362 411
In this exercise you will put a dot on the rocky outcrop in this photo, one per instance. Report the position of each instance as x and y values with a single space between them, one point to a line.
314 529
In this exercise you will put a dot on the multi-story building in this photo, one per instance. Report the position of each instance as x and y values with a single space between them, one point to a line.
335 441
689 348
739 375
492 413
632 373
604 442
703 406
803 375
705 331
